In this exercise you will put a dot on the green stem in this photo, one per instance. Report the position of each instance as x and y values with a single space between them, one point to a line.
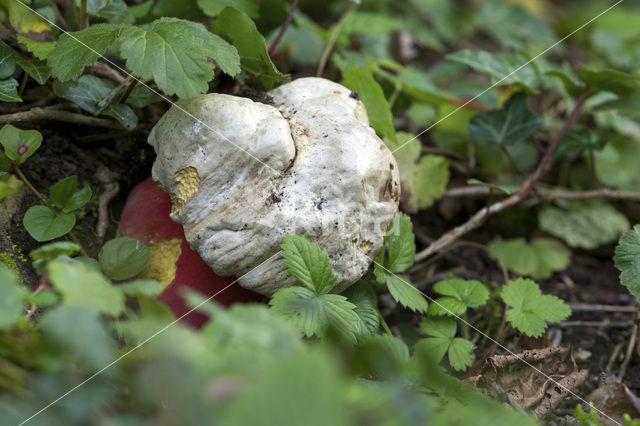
384 324
465 325
83 14
333 38
74 12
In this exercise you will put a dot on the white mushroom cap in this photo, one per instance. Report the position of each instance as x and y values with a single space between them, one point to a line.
308 165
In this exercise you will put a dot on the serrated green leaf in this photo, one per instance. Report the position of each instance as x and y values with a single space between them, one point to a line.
36 68
43 224
387 347
405 293
11 294
313 313
538 260
364 298
9 91
460 295
53 250
215 7
499 66
71 54
627 260
401 244
40 49
530 308
361 80
66 195
308 263
80 284
443 331
507 126
123 258
174 53
250 44
141 287
88 91
585 224
19 144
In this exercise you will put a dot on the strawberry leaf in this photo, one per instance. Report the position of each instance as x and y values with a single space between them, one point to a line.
308 263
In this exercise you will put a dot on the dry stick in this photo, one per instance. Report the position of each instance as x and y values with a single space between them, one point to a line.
613 357
59 17
284 27
549 194
333 38
53 113
629 354
44 201
527 188
583 307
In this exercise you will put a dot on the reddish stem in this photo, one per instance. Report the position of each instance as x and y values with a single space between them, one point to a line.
284 27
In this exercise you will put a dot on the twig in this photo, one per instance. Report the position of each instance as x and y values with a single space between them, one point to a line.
333 38
596 324
23 84
53 113
583 307
127 92
111 187
614 355
283 28
103 70
513 162
536 143
550 194
59 17
629 354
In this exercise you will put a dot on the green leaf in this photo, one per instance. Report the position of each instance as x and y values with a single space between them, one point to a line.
123 258
584 224
499 66
9 185
362 295
401 243
308 263
577 140
88 91
538 260
617 82
19 144
43 224
313 314
617 165
361 81
80 333
11 295
507 126
530 308
405 293
9 91
443 331
80 284
303 45
36 68
66 195
141 96
71 54
627 260
174 53
250 44
40 49
53 250
215 7
8 58
149 288
460 295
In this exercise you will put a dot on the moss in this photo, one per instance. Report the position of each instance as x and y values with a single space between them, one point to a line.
7 259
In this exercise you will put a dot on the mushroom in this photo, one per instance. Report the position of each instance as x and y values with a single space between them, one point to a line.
244 174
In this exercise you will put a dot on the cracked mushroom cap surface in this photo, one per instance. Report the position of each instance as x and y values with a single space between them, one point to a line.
309 164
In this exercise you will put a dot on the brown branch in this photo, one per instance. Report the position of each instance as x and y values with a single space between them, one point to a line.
104 70
549 194
525 191
53 113
469 105
283 28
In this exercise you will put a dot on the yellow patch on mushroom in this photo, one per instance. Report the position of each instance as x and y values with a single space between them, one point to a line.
163 258
188 182
366 246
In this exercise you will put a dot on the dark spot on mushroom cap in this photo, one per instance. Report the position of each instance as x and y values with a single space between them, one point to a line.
354 95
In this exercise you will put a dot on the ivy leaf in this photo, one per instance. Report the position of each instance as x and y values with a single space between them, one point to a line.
405 293
250 44
9 91
11 294
88 91
215 7
123 258
618 82
443 331
8 58
150 288
627 260
43 224
9 184
577 140
80 284
499 66
507 126
366 306
361 80
530 308
308 263
538 260
36 68
584 224
70 54
460 295
66 195
19 144
174 53
401 244
313 314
